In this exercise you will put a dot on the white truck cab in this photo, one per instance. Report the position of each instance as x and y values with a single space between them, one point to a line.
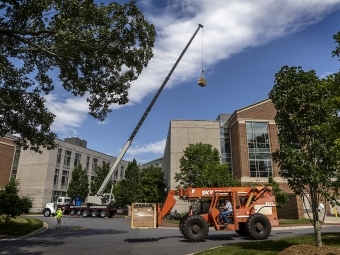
51 208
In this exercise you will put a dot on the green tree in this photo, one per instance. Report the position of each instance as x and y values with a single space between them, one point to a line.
79 185
101 173
11 204
95 50
127 192
308 156
152 185
200 166
281 197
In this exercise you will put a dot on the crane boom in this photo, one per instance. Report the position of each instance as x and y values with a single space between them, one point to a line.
94 199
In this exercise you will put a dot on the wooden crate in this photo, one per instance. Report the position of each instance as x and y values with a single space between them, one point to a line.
143 215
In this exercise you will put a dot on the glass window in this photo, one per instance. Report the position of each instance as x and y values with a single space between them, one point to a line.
94 164
122 172
67 159
77 158
15 162
260 164
88 163
225 146
56 178
59 157
64 179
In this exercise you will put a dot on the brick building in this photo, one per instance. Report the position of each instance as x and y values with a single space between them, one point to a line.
245 139
7 152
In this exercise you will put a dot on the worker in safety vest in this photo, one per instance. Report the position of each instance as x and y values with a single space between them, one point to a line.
59 214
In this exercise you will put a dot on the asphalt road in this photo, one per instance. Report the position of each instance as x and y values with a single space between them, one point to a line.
114 236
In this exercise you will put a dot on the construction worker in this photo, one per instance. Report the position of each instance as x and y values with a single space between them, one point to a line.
227 210
59 215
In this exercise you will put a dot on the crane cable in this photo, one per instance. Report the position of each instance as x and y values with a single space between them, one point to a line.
202 54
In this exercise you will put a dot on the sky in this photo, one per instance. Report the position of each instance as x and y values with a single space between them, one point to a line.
242 45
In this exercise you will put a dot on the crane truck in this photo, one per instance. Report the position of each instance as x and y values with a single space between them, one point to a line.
254 212
98 204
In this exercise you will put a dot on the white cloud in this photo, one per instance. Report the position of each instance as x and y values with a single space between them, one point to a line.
155 148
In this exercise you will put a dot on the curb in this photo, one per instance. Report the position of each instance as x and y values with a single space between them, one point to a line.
41 230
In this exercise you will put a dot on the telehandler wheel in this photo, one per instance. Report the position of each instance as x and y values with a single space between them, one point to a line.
181 223
243 230
259 226
196 229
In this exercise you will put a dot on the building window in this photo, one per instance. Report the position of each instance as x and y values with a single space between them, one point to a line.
56 194
67 159
64 179
56 178
15 162
77 159
104 163
225 146
59 157
87 163
94 164
122 172
260 163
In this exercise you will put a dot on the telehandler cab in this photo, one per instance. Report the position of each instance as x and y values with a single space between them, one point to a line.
254 211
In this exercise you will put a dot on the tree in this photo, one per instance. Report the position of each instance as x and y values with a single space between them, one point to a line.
101 173
79 185
281 197
308 156
94 50
200 166
11 204
152 185
127 192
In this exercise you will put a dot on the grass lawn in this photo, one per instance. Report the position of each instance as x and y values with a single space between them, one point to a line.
19 226
273 247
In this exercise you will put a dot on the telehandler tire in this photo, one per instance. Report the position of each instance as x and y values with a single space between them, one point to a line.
181 223
259 226
243 230
196 229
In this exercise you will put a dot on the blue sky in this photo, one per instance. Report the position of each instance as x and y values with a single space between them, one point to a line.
245 43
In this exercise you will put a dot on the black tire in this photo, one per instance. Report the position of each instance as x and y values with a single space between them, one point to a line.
86 213
259 226
243 230
94 214
196 229
47 212
72 212
79 213
110 214
103 214
181 223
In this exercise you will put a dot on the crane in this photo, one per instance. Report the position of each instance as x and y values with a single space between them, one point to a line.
97 199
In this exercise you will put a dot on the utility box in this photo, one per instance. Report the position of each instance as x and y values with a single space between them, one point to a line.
143 215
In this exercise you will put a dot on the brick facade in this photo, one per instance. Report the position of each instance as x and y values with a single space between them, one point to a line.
7 149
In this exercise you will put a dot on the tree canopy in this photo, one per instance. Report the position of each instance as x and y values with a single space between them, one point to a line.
101 173
79 185
126 191
94 50
11 204
308 156
146 185
200 166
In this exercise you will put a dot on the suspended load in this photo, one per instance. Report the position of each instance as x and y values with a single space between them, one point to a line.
202 81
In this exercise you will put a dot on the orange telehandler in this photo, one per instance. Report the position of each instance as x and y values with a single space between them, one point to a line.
254 211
